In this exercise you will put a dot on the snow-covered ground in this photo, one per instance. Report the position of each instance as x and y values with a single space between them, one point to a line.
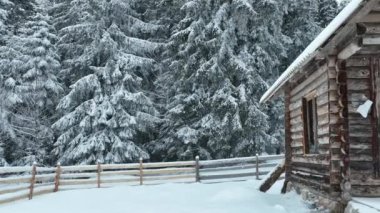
232 197
364 205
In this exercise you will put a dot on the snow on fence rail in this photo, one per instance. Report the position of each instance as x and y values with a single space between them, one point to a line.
25 182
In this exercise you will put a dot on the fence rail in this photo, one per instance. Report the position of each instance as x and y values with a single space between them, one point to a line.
25 182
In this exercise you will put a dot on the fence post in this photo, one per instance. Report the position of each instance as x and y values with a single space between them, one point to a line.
32 180
197 175
141 171
57 177
99 169
257 167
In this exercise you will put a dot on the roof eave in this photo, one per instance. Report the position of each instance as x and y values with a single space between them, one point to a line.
311 49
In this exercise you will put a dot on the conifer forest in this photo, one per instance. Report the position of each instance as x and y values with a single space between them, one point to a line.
83 81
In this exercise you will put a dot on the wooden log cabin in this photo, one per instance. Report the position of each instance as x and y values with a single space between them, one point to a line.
332 107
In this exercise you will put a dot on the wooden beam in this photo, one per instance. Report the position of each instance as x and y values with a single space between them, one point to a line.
370 28
372 17
141 171
197 167
349 50
371 40
374 68
273 177
227 176
288 139
32 181
350 30
57 177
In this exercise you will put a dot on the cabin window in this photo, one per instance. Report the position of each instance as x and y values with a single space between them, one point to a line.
310 124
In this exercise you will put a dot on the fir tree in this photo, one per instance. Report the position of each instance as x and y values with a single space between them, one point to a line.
328 9
220 53
106 114
32 79
301 25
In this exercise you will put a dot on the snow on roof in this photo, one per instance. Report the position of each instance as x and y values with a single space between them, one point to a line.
310 50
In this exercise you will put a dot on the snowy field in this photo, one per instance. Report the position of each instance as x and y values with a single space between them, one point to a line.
232 197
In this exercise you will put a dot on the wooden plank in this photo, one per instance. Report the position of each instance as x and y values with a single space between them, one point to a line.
297 143
78 182
369 191
79 168
358 62
296 136
229 168
313 159
115 173
296 105
361 157
11 180
45 177
297 128
361 167
271 157
357 84
358 97
296 120
358 73
45 169
312 82
14 198
227 161
78 175
170 164
372 17
349 50
273 177
168 171
226 176
172 177
371 28
13 189
311 168
320 89
360 146
120 166
120 180
43 191
295 113
8 170
309 183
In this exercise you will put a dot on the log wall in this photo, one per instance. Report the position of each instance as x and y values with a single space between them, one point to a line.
361 70
311 170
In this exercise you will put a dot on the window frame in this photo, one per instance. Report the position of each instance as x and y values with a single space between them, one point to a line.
310 123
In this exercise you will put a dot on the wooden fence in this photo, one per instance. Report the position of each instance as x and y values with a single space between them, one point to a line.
25 182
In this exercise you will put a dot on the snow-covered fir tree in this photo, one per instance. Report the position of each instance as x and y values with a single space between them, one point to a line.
342 4
158 79
107 114
220 53
32 90
301 25
4 107
327 11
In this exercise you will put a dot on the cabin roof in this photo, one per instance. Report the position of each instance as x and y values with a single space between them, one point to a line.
311 50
